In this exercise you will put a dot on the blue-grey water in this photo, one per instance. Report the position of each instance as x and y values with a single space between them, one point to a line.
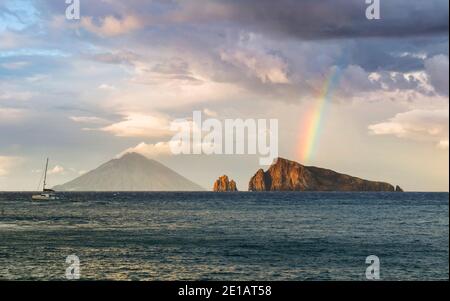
225 236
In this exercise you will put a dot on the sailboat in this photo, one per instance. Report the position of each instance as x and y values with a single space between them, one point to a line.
47 194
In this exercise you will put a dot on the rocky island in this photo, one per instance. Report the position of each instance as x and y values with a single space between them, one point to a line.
286 175
223 184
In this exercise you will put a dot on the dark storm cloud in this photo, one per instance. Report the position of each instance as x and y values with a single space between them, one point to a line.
305 19
401 55
311 19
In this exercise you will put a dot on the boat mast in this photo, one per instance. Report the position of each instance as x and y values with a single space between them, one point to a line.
45 174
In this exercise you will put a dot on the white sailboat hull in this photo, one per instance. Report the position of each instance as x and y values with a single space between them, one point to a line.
44 197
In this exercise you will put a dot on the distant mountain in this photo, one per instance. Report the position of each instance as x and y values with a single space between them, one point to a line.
131 172
286 175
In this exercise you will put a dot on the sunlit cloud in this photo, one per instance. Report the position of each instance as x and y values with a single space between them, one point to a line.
267 68
150 150
420 125
111 26
56 170
140 125
88 119
107 87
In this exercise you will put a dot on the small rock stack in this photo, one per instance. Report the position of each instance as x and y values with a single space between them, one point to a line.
223 184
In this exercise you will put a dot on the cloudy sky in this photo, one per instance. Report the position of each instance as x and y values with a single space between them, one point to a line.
84 91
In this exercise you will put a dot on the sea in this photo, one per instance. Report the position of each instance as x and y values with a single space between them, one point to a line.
297 236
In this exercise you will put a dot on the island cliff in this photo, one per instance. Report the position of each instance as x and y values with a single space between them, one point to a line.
286 175
223 184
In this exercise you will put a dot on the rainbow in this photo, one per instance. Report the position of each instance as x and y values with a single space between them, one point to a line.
311 124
